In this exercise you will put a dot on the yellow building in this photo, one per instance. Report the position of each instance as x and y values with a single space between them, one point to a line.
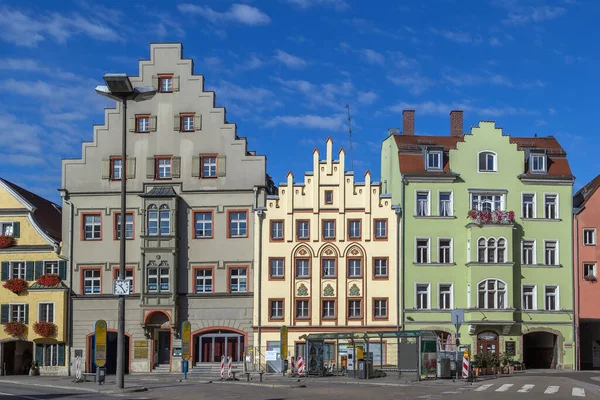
326 252
34 320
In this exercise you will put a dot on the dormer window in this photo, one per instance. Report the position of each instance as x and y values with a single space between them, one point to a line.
488 162
538 163
434 160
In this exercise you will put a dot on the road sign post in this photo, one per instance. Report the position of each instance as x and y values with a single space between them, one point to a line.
100 353
284 348
186 341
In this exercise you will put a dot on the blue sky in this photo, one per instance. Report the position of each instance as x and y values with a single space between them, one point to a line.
285 69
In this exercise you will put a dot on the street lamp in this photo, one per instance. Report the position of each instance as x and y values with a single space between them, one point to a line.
118 87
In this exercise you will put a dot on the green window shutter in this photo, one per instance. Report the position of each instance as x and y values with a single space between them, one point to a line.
29 270
198 122
221 165
39 354
39 269
4 313
26 314
61 354
196 166
132 125
5 270
105 168
16 229
177 123
130 167
155 82
176 83
153 124
150 167
62 269
176 167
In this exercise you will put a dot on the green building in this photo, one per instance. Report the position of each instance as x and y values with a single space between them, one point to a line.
487 229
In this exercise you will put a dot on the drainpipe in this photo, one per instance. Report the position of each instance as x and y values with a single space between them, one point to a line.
259 214
576 277
398 212
70 300
403 249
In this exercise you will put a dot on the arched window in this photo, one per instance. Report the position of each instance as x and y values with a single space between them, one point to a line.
501 249
491 250
481 250
165 220
152 218
488 161
159 221
491 294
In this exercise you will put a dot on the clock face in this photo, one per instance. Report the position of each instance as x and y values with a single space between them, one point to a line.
121 287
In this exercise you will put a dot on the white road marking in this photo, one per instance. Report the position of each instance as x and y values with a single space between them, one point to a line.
483 387
450 392
504 387
20 396
525 388
578 392
552 389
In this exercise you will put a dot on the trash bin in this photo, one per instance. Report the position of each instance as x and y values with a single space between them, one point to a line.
100 375
444 368
362 370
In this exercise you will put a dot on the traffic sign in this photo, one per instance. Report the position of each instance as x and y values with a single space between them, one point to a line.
100 343
284 342
186 340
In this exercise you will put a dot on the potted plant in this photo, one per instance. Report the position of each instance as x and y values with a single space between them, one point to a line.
34 370
15 329
494 363
590 278
16 285
507 363
7 241
44 329
477 364
48 279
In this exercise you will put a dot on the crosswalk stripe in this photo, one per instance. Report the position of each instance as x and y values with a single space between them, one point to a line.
504 387
552 389
483 387
525 388
578 392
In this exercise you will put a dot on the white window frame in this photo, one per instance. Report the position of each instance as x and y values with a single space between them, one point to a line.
210 163
450 202
380 267
380 232
305 262
238 226
46 304
428 205
117 168
382 306
279 266
53 362
276 229
166 84
544 159
352 268
556 297
496 298
434 155
589 265
496 250
328 229
495 166
419 294
204 278
143 124
21 273
164 168
187 123
21 311
353 311
303 233
428 260
451 252
47 264
533 208
239 278
93 225
492 202
276 309
4 228
158 274
331 311
92 279
329 262
533 251
203 225
450 294
593 238
305 309
556 206
556 252
129 226
354 229
533 297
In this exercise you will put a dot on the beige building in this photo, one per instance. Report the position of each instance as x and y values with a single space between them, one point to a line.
328 259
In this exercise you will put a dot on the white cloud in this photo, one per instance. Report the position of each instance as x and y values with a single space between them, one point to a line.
251 62
333 95
213 62
289 60
372 57
438 108
416 83
569 59
466 79
297 38
520 15
332 123
367 97
458 37
541 122
367 27
494 41
245 101
339 5
241 13
552 111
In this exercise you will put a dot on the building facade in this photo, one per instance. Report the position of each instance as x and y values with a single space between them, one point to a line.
486 230
34 292
586 212
328 260
192 186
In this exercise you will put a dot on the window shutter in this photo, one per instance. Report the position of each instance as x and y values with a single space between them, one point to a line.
4 313
61 354
130 167
198 122
150 167
16 229
26 314
4 270
155 82
29 268
176 83
62 269
221 165
39 269
153 124
132 125
196 166
177 123
39 354
105 168
176 167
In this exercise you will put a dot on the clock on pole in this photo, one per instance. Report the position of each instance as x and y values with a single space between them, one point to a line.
121 287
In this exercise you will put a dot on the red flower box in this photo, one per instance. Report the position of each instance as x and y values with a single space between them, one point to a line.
7 241
492 217
15 329
48 279
44 329
16 285
590 278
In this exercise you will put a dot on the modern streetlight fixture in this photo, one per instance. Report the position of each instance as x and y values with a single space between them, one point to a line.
118 87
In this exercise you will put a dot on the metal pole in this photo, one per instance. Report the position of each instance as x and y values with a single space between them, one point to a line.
121 327
259 289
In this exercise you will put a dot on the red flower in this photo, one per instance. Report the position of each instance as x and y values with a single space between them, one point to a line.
16 285
7 241
44 329
48 279
15 329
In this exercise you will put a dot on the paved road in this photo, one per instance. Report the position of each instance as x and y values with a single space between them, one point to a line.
20 392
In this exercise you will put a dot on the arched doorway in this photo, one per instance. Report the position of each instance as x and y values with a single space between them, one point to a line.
487 342
212 344
111 353
17 356
158 324
540 350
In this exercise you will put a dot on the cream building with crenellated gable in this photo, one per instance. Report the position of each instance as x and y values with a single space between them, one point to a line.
326 251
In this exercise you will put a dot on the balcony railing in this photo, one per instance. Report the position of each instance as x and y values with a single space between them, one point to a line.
492 217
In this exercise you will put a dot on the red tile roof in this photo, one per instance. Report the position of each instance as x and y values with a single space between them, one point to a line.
585 193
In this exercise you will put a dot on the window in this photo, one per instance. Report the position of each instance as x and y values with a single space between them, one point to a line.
276 266
354 269
302 309
187 122
18 313
422 251
328 267
238 280
329 197
422 204
209 166
116 168
551 252
380 308
491 250
487 161
445 204
203 225
17 269
302 268
538 163
204 280
91 281
276 309
492 294
50 352
276 230
302 230
551 296
92 227
354 231
46 312
445 291
328 310
165 84
434 160
329 230
159 220
550 206
529 297
422 292
381 229
128 226
51 267
238 224
486 202
589 237
164 167
589 269
142 124
528 205
445 249
158 279
7 229
128 277
528 252
354 309
380 268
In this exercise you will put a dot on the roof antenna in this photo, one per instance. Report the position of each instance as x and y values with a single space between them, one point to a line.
350 131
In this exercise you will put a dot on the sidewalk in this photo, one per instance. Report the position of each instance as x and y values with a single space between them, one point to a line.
70 383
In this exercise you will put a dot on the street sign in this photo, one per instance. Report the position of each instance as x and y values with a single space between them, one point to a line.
284 342
100 342
186 340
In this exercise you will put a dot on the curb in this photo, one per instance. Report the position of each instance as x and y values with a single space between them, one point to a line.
268 385
81 389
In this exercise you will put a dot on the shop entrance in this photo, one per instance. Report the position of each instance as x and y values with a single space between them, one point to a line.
487 342
111 353
18 356
209 347
540 350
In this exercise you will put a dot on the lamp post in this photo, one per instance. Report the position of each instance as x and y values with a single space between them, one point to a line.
118 87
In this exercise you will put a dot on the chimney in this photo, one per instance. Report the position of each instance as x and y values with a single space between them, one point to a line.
456 123
408 122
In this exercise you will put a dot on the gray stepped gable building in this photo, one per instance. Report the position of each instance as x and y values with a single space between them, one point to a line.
192 188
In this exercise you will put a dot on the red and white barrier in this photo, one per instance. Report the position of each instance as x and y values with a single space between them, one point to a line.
465 366
222 367
229 365
300 365
292 366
